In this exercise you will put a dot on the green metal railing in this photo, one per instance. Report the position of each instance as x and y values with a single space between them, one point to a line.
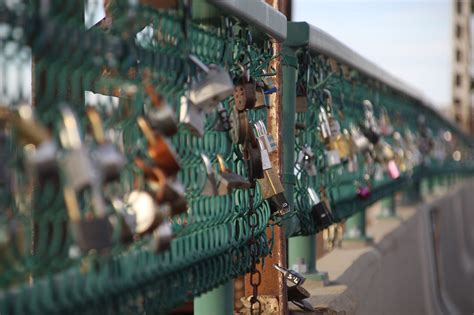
41 270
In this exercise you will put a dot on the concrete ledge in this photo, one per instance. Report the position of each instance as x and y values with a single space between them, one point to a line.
400 273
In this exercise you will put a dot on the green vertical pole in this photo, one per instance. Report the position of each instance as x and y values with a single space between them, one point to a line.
216 302
355 228
388 208
412 194
301 250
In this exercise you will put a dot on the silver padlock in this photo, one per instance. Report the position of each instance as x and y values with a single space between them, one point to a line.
306 161
210 187
191 117
142 213
216 85
158 112
108 160
332 157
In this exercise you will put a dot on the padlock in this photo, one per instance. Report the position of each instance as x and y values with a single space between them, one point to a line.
191 117
253 156
386 127
307 161
336 140
268 83
392 169
165 189
322 217
241 129
290 275
261 98
370 128
301 103
162 237
363 191
212 89
360 142
245 96
332 157
297 293
94 231
223 120
273 191
160 150
210 187
143 213
229 180
159 113
109 161
39 148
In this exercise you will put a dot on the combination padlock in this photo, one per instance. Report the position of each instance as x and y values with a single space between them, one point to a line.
290 275
245 96
216 85
160 150
159 113
229 180
109 161
191 117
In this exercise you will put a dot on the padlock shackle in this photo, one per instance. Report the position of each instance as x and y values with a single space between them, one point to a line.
147 131
96 124
222 166
201 65
70 134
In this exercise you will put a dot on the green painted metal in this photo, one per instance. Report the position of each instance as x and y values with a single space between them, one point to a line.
355 228
216 302
388 208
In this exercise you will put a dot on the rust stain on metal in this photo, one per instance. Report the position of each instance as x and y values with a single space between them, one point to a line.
273 283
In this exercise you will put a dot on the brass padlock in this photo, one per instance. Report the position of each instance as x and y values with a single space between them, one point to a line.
159 113
337 141
160 150
39 148
213 88
191 117
273 191
229 180
245 96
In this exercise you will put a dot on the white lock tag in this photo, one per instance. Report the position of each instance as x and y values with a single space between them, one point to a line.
266 163
332 157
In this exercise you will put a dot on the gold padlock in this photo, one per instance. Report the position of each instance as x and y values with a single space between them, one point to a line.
272 190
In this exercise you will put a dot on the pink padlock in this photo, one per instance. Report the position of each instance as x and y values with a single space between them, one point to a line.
393 170
363 192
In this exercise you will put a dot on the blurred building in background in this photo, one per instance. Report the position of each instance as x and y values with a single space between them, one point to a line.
463 111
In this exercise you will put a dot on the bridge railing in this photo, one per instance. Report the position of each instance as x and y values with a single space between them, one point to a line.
142 209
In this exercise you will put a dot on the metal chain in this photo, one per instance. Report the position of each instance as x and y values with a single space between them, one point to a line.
255 275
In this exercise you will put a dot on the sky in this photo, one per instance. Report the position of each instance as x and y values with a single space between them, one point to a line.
411 39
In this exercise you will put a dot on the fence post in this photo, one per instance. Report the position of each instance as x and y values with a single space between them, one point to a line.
388 208
218 301
355 228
